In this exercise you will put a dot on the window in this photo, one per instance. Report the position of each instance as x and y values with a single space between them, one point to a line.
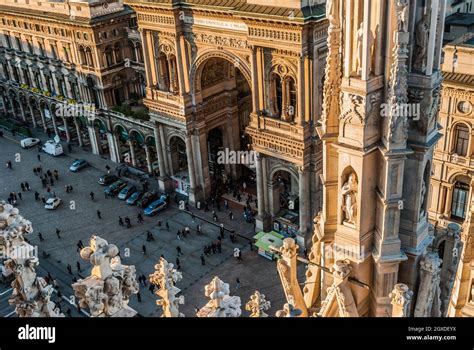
66 54
6 71
54 51
41 48
30 46
459 202
26 74
8 40
461 135
18 43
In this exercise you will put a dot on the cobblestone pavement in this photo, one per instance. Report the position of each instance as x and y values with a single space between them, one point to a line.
77 220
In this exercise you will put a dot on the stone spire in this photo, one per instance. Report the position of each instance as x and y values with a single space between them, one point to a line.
31 295
165 277
427 301
257 305
221 304
107 290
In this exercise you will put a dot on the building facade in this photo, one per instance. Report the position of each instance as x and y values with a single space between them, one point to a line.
238 76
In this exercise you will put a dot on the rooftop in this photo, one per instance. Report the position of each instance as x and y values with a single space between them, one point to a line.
460 19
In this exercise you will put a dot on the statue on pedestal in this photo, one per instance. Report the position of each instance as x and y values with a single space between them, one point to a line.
221 303
165 277
421 43
107 291
349 200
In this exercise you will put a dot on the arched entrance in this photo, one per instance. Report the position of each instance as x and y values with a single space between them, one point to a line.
223 96
284 192
121 135
101 133
136 144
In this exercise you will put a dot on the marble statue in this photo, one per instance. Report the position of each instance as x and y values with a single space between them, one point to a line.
107 290
31 295
401 299
360 48
221 304
332 12
257 305
421 42
165 277
402 15
423 197
349 200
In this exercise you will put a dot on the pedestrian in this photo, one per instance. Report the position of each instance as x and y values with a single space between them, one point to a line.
56 174
167 226
178 249
139 297
68 312
214 216
127 221
144 249
39 157
178 235
193 217
9 164
74 279
20 195
219 246
69 269
231 215
35 171
40 237
120 221
51 181
226 205
152 288
27 186
221 231
237 283
203 261
22 185
43 200
69 148
91 195
99 214
139 218
58 233
78 265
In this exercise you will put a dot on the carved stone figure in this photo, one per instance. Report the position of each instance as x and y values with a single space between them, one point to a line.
165 277
221 304
107 291
401 298
257 305
289 310
349 200
421 42
423 196
332 12
402 15
360 48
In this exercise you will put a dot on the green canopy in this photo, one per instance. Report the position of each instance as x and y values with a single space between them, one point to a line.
267 239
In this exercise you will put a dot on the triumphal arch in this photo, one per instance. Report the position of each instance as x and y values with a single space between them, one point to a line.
238 75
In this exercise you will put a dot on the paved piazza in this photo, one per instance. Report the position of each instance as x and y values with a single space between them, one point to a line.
255 272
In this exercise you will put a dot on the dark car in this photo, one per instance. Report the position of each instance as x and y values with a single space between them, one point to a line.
116 187
133 199
146 200
127 192
107 179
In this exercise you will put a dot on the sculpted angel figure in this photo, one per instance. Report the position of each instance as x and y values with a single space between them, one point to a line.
349 200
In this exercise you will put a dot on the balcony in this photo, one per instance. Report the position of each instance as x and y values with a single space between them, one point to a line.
280 139
133 34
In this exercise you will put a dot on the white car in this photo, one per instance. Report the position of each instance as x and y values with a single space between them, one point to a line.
29 142
53 203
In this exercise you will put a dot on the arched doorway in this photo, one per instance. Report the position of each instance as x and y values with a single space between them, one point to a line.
223 94
101 133
121 135
137 152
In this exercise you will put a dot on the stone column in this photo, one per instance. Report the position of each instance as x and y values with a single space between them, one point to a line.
66 128
191 169
43 119
184 65
22 110
401 299
32 115
146 56
93 139
304 202
164 182
148 159
440 31
366 47
112 147
432 37
53 119
167 165
78 132
448 200
254 72
300 104
132 153
262 220
428 291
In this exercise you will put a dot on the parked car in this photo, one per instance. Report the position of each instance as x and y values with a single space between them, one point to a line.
127 192
107 179
146 199
133 199
78 164
53 203
116 187
155 207
29 142
52 148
